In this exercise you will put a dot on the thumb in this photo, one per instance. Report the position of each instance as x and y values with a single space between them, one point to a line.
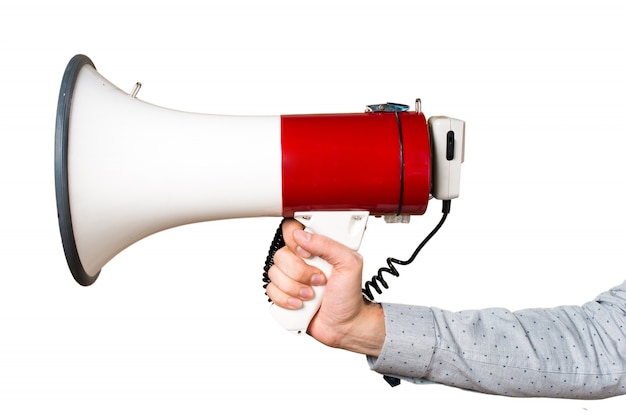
343 297
335 253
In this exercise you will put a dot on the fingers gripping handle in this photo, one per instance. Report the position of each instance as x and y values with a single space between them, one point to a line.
346 227
297 321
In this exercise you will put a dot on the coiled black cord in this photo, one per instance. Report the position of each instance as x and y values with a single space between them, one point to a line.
391 269
279 242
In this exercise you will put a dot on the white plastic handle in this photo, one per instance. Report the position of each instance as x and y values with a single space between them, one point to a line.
346 227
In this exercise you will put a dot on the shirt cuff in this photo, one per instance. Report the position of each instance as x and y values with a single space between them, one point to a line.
409 342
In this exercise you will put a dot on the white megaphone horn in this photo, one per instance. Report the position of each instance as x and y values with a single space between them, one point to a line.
126 169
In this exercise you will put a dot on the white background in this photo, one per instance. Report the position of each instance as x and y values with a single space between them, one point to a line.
178 323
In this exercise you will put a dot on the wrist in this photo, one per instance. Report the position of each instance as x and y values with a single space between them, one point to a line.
366 333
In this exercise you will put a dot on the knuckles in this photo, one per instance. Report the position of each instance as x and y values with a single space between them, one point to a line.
353 261
291 265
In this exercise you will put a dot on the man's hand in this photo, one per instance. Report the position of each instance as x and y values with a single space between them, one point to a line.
344 320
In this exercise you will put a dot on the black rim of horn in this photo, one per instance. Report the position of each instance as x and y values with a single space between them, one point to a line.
61 142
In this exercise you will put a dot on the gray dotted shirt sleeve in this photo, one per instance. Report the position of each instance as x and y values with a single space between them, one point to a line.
566 352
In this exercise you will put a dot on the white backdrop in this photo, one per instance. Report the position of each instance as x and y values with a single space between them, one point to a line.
178 323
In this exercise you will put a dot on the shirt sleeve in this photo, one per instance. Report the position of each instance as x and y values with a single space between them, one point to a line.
567 352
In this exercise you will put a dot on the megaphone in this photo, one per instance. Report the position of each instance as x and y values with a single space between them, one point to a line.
126 169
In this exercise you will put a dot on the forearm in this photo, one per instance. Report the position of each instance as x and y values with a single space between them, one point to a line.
574 352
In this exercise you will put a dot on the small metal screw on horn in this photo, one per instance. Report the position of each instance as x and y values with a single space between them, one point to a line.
135 90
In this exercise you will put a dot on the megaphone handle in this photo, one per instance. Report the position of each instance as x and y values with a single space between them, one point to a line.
346 227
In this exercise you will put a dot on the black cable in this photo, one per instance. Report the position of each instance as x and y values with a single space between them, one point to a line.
277 243
391 269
